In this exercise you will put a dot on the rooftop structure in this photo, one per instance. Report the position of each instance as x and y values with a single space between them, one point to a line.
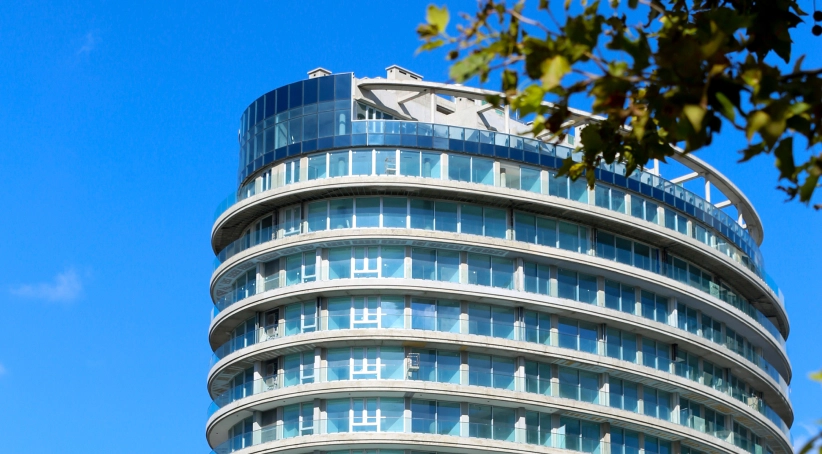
401 271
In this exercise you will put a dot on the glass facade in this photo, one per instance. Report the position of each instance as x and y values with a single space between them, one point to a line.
386 277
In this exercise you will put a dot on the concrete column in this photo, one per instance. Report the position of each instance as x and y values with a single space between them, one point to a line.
256 426
519 383
319 370
464 419
554 329
507 114
699 323
637 301
463 267
519 275
407 415
639 358
543 178
675 408
465 377
464 317
553 284
304 168
408 314
600 291
673 317
407 263
444 166
520 426
497 177
604 389
323 271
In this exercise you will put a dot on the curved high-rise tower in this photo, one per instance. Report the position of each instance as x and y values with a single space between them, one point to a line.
401 272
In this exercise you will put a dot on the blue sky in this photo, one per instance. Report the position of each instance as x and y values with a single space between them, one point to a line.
118 128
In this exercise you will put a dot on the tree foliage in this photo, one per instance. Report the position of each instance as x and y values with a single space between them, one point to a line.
675 73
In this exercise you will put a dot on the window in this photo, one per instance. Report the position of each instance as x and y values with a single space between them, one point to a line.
537 327
530 180
366 363
435 315
495 423
317 166
620 345
366 312
686 365
435 265
686 318
394 212
491 371
567 189
338 164
433 417
437 366
624 441
538 378
655 445
373 414
577 435
654 307
495 321
712 376
298 420
623 394
538 428
298 368
490 271
367 212
301 318
711 329
578 385
625 251
470 169
301 268
577 335
609 198
367 262
292 172
656 403
537 278
656 354
577 286
620 297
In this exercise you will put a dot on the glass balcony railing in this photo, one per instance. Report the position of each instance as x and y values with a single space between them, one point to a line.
380 133
512 331
493 431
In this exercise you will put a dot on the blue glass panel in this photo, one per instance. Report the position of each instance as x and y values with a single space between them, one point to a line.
487 149
548 161
659 194
325 142
472 147
425 141
358 139
342 86
532 158
646 189
342 141
376 139
309 145
260 109
294 149
310 91
407 140
326 88
669 198
620 180
501 151
605 176
295 91
282 99
440 143
455 145
633 184
690 209
270 103
258 162
268 158
392 139
280 153
515 154
679 203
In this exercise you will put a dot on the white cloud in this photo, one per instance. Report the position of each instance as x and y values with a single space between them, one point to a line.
89 43
65 287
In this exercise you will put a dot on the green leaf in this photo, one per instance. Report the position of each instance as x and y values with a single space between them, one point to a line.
784 159
437 17
431 45
553 70
756 121
816 376
694 114
726 106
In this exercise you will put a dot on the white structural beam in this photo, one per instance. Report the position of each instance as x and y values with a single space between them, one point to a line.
684 178
412 96
724 204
